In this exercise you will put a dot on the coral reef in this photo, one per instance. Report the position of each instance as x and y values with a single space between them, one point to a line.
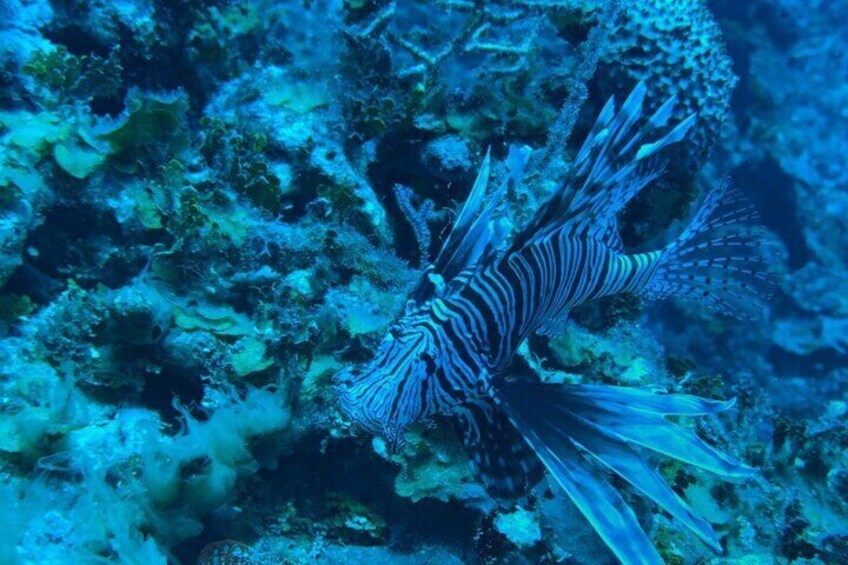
677 48
208 208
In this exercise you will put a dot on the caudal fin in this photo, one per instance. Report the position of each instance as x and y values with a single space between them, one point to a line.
719 260
577 431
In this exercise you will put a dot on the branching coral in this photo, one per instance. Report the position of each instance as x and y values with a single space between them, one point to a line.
483 32
399 76
417 219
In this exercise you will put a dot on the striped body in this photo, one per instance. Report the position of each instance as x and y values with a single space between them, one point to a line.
535 288
443 356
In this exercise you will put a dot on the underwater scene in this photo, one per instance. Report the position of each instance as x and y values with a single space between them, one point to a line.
423 282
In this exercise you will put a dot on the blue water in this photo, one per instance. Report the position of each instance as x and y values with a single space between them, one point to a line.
210 209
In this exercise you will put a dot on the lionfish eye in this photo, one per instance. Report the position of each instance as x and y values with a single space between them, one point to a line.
429 361
346 379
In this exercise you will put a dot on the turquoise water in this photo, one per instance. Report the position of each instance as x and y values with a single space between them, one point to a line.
213 212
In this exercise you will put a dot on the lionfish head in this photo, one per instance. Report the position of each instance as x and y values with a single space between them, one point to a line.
384 396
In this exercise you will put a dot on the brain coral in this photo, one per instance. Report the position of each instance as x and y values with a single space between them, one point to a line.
676 47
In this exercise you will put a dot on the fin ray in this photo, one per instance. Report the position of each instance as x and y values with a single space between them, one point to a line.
611 167
719 259
596 499
625 462
564 423
477 233
499 457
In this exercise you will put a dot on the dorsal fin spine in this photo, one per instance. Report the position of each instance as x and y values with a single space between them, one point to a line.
609 170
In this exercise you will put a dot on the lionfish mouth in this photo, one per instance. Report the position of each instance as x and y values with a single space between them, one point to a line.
363 418
394 437
351 406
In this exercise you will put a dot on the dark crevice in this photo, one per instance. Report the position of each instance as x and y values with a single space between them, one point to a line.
162 390
815 365
773 193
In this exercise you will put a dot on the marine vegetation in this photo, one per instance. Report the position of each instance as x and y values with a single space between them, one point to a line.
423 281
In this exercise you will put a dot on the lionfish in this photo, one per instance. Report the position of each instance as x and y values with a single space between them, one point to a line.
449 353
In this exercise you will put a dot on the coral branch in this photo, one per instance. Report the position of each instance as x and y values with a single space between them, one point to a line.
417 218
589 53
